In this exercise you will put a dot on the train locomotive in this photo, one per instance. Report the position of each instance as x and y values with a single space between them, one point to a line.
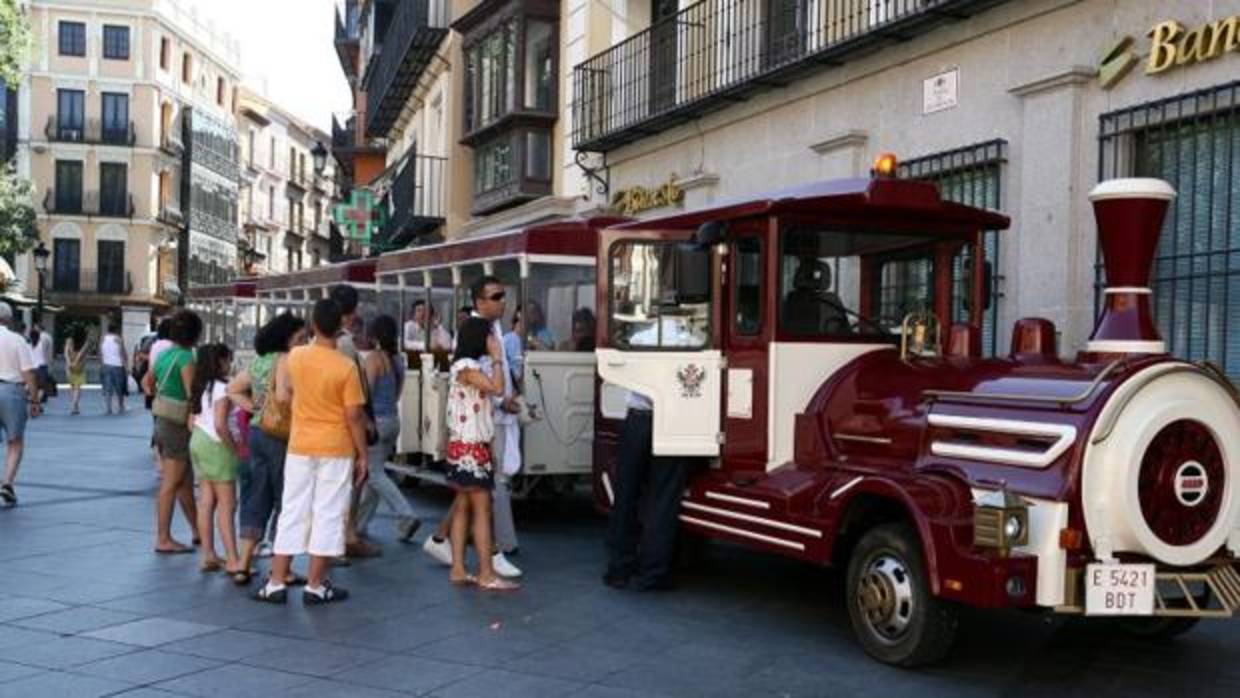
818 351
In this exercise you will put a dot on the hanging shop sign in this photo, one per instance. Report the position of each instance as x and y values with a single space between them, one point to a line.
1172 45
637 199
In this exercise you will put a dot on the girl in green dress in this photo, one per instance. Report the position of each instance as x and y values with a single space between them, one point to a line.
214 455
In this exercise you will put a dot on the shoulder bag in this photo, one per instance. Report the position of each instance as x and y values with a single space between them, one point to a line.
274 417
169 408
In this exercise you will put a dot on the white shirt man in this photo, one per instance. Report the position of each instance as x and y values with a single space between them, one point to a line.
678 331
111 350
415 332
17 391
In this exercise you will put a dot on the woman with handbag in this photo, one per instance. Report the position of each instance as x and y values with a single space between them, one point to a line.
254 390
169 380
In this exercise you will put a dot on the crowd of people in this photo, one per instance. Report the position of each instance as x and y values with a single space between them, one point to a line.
288 453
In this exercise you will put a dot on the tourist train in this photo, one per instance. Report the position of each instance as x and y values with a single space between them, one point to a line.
817 351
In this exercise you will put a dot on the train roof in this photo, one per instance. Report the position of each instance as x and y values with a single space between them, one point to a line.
860 202
358 271
571 237
240 288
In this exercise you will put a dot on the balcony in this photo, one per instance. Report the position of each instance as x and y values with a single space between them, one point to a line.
717 52
91 282
170 214
171 144
91 205
417 202
348 36
93 131
296 184
409 44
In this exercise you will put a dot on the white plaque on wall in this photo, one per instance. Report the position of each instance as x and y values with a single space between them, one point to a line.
939 92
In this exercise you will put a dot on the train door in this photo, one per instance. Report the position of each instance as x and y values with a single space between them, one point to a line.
746 336
662 341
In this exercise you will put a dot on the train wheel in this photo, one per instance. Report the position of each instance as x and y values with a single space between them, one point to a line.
894 615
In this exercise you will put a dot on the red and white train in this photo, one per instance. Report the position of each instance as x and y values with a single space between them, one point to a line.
818 349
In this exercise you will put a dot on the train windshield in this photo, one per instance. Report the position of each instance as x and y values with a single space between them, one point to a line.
852 284
660 296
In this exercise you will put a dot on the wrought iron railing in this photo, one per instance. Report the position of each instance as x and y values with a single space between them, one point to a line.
94 131
115 282
344 136
713 52
91 203
411 40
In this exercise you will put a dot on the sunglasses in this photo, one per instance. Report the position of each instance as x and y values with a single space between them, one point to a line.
497 296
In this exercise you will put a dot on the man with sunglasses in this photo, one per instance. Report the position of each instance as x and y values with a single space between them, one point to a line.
489 299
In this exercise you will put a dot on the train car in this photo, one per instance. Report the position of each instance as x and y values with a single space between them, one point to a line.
230 314
792 344
297 291
548 270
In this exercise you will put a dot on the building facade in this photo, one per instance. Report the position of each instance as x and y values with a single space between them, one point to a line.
1016 106
285 203
125 120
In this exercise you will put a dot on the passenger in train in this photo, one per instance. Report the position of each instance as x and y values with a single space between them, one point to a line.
582 338
514 348
415 329
540 338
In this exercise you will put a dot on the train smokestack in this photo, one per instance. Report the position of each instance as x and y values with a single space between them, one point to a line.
1130 215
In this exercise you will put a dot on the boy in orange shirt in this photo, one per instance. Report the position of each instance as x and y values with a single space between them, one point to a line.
326 458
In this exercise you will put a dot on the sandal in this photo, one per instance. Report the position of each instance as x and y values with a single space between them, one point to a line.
467 580
265 595
330 594
210 566
295 580
241 578
177 550
8 495
499 584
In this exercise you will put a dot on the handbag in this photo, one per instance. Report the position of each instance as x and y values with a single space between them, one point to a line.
372 429
274 418
169 408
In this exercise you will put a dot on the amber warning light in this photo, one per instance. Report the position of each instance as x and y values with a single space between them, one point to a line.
885 165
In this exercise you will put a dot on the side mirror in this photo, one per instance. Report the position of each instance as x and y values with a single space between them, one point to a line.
709 234
691 274
988 285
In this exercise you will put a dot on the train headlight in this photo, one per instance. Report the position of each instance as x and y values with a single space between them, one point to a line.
1000 521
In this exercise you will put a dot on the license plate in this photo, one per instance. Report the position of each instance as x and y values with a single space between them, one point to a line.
1119 590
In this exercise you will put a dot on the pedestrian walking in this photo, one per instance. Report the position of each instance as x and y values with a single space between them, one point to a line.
471 468
76 348
113 356
169 381
385 374
489 304
214 456
326 458
18 399
270 424
41 348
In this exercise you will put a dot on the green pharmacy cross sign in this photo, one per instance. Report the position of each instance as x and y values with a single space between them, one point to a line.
361 217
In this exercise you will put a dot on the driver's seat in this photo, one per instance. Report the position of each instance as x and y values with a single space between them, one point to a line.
811 307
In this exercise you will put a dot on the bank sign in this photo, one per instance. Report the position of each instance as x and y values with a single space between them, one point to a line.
1172 45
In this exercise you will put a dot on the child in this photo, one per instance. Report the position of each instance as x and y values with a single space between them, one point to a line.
214 455
470 431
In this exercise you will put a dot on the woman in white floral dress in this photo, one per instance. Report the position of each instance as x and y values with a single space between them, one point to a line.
477 374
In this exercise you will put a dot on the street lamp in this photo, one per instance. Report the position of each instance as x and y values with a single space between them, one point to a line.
319 153
41 254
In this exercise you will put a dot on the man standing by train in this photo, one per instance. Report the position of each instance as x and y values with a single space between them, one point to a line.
641 553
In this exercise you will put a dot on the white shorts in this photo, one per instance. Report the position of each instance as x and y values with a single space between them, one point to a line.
315 503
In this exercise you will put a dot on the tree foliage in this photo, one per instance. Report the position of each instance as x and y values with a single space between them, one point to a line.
17 216
15 41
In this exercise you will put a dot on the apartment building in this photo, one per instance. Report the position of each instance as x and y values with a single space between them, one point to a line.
285 202
125 121
465 101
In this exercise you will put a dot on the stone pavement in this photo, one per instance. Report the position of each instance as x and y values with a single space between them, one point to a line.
87 610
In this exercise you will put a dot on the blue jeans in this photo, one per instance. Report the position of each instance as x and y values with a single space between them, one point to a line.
114 380
260 498
14 408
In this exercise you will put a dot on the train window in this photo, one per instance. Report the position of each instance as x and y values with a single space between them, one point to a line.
558 311
747 285
905 286
658 297
820 281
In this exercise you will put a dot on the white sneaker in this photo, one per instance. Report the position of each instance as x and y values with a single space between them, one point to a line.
503 567
440 551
